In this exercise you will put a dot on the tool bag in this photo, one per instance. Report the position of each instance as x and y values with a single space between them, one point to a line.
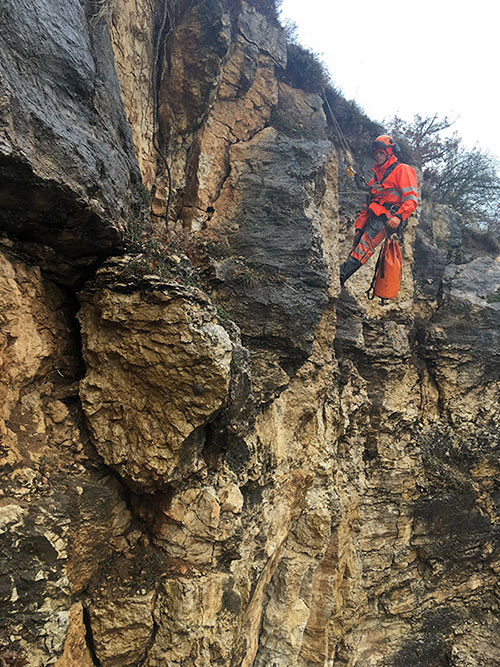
387 276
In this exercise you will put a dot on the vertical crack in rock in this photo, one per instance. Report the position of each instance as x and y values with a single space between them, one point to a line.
154 631
89 638
259 471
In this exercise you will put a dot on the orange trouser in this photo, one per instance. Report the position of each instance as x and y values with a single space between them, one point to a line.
374 232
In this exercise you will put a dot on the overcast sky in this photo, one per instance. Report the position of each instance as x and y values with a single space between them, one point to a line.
426 56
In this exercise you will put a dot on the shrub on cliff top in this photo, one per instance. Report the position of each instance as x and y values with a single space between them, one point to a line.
304 70
357 127
269 8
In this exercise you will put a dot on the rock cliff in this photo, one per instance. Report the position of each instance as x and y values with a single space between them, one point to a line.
211 456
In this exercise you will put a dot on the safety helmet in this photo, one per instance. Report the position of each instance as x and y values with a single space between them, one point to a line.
385 143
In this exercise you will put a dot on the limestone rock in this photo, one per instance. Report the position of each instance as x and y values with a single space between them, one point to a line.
196 625
76 652
34 343
132 36
466 328
273 222
213 96
67 163
121 628
316 482
164 341
59 509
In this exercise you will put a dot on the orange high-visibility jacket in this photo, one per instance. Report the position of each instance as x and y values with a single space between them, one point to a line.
398 192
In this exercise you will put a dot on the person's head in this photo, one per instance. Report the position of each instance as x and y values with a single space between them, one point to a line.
383 147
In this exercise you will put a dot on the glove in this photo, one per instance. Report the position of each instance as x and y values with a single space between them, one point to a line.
357 236
394 222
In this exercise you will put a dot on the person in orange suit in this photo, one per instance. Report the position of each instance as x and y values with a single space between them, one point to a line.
391 200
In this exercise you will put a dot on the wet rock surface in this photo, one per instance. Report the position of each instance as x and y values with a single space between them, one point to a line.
66 155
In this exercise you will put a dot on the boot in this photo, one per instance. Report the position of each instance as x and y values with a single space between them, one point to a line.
349 267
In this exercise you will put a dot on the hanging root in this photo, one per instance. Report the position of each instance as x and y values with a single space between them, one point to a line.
167 23
103 9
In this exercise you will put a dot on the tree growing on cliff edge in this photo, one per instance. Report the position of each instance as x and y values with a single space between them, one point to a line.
466 179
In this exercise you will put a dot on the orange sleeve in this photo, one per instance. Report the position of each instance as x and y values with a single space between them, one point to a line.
407 185
362 218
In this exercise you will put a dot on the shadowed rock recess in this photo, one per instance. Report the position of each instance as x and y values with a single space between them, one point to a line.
211 455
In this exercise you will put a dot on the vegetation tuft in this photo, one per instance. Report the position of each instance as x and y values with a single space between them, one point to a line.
12 658
494 297
359 129
215 249
304 70
151 253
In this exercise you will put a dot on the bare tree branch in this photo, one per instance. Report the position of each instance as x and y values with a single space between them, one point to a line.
468 180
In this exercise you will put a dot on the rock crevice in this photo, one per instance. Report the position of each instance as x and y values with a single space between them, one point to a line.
222 459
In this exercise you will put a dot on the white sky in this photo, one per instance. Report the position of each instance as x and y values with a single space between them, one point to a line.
398 57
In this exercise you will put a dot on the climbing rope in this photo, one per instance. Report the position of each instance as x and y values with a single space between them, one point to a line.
336 125
351 170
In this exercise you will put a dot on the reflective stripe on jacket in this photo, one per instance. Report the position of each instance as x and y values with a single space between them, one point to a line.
399 190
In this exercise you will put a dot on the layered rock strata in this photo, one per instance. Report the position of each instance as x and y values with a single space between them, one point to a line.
212 456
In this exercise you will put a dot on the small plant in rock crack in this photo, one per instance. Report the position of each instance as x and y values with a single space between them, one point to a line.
150 252
247 277
9 658
494 297
221 313
216 249
144 196
250 276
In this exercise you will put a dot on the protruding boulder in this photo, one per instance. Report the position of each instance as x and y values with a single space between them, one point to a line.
158 369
